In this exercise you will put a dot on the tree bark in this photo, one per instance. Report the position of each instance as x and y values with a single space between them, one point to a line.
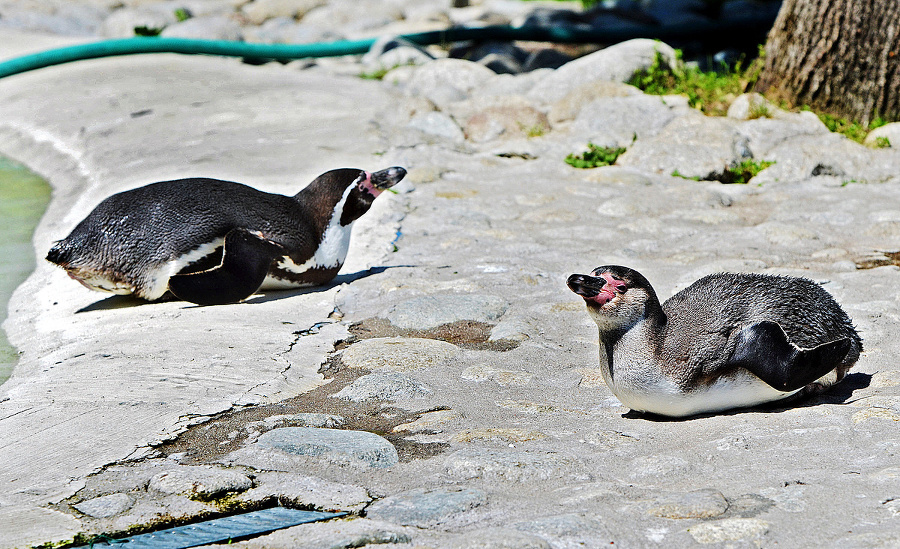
841 57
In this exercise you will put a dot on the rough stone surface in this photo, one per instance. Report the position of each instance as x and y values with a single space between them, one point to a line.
303 491
701 504
383 386
105 506
398 354
331 444
427 507
497 538
427 312
729 530
200 482
617 63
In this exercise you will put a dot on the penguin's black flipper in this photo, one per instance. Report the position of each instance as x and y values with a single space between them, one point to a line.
764 349
246 258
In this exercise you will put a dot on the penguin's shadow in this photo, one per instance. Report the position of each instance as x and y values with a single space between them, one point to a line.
839 394
127 301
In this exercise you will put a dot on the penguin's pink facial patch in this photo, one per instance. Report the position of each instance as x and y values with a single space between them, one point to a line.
612 287
367 185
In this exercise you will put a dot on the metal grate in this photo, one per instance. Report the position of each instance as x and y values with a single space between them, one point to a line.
218 530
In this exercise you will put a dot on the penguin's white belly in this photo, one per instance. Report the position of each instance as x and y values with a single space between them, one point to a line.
664 397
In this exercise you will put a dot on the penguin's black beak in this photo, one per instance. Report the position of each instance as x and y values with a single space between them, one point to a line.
385 179
585 285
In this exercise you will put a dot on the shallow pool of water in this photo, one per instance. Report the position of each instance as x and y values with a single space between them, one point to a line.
23 199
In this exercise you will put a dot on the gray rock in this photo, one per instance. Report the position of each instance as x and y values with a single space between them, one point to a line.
694 146
218 27
617 63
68 20
699 504
437 124
383 386
507 122
764 134
200 482
617 121
568 530
331 444
259 11
891 132
571 105
121 23
428 312
398 354
444 81
731 529
508 465
497 538
750 106
304 491
426 507
105 506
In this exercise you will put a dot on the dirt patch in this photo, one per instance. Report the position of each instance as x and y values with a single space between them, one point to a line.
210 441
227 432
878 259
467 334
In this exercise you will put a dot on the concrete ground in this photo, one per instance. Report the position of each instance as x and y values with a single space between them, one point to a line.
545 450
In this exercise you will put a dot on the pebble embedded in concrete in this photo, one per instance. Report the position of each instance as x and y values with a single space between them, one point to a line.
426 507
383 386
332 445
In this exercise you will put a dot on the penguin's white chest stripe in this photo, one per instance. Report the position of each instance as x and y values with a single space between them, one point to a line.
331 252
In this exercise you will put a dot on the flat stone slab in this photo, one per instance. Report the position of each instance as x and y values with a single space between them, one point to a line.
398 354
424 313
383 386
105 506
331 444
199 482
426 507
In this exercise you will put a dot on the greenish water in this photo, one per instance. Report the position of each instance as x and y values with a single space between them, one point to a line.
23 199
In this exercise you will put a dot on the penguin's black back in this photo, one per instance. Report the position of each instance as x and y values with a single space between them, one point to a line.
156 223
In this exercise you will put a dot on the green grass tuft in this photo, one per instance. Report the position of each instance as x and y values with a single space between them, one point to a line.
711 92
594 157
746 170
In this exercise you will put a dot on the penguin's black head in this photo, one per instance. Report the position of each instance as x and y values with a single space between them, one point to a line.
615 296
349 190
367 187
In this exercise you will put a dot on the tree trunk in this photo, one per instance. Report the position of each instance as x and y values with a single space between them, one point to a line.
841 57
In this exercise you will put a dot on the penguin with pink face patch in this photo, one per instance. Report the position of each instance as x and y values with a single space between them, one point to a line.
729 340
211 242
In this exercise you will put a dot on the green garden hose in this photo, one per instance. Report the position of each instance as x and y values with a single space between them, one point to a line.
127 46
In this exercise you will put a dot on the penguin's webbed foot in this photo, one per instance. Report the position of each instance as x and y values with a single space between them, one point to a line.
246 258
763 349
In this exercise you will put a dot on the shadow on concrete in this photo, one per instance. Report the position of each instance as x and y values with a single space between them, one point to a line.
125 301
838 394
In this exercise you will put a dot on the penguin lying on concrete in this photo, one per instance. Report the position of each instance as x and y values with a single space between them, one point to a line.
726 341
211 242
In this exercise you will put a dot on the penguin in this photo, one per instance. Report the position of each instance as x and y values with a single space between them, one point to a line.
727 341
212 242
